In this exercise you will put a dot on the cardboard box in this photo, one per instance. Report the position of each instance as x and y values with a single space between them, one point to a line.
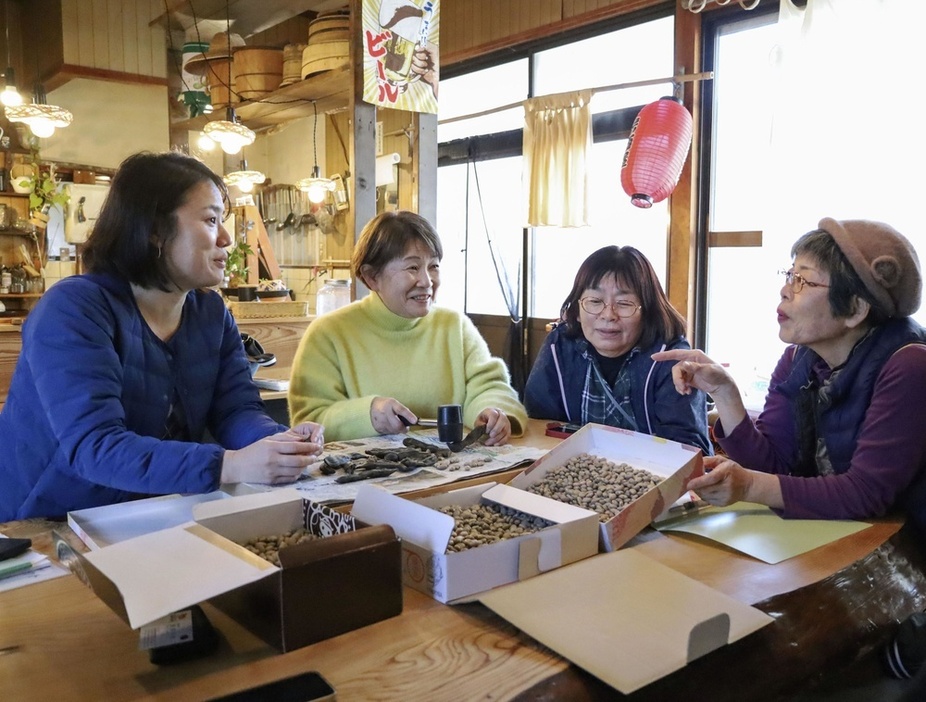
323 588
450 577
104 526
676 463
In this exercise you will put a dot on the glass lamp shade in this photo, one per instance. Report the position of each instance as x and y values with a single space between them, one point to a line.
42 119
244 180
316 187
231 136
656 151
10 96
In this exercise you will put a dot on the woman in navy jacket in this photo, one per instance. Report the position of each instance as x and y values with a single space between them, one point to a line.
595 366
123 370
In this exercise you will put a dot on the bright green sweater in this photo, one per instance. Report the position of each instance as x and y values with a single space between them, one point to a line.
361 351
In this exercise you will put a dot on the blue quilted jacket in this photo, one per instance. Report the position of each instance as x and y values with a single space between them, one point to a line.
85 416
554 390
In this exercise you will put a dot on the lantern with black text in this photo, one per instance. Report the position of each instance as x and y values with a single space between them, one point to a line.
656 151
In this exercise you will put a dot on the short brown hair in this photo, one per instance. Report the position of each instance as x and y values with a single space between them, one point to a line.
386 237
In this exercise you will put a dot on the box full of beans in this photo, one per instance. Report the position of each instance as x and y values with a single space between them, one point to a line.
463 542
627 478
292 571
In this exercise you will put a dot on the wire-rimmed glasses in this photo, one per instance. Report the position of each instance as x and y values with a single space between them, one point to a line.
797 282
622 308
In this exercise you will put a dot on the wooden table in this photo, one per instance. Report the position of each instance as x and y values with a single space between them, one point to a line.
59 641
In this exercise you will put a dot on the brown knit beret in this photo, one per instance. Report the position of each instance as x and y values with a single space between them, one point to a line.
883 258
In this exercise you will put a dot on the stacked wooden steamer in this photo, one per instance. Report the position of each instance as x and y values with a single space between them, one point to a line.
258 71
292 64
328 46
217 65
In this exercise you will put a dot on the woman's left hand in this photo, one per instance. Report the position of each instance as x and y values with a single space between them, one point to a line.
498 426
725 482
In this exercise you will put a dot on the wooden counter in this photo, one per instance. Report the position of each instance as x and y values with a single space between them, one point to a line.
59 641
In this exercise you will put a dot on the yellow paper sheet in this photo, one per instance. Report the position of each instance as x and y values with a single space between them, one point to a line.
758 532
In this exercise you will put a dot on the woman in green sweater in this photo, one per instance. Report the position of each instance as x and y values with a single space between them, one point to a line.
363 368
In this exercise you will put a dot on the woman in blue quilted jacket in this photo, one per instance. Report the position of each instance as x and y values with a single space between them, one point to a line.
595 366
125 369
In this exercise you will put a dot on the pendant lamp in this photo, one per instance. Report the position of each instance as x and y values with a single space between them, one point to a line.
229 133
656 151
316 187
10 96
40 117
244 179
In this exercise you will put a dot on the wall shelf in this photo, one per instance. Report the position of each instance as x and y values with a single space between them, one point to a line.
330 90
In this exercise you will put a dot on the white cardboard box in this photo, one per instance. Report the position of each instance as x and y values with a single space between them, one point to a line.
450 577
103 526
676 463
150 576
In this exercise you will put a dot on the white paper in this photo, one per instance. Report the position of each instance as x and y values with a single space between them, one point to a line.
385 169
621 616
168 570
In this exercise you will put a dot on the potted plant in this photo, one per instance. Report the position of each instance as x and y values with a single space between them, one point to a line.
45 192
236 267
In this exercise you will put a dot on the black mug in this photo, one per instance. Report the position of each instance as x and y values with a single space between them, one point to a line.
450 423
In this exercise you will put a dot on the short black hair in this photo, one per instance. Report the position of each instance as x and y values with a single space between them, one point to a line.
661 321
139 216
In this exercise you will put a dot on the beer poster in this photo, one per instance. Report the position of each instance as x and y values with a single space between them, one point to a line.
401 59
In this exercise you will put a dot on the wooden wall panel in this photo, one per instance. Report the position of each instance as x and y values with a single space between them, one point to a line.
116 49
113 35
293 31
129 22
470 28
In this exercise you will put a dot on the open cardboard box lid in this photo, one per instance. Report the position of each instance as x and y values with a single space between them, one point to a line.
165 571
623 617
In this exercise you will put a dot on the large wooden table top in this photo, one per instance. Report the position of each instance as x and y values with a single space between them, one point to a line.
59 641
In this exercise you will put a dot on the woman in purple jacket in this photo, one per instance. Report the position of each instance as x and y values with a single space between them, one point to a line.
595 366
841 435
124 370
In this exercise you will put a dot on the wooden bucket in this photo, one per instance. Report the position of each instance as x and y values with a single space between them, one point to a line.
220 79
258 71
330 27
292 63
325 56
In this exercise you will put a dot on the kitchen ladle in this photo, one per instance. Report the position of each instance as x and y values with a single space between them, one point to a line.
288 222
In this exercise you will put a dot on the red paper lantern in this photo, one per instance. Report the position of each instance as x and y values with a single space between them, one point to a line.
656 151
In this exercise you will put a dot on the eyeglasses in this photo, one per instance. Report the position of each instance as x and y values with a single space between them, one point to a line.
622 308
797 281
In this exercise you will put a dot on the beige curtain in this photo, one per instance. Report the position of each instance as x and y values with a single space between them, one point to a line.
557 145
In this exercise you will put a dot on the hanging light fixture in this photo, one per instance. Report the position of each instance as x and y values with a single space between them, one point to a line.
40 117
316 187
10 96
656 151
229 133
243 179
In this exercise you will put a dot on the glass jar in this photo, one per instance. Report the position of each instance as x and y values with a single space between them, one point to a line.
18 280
332 295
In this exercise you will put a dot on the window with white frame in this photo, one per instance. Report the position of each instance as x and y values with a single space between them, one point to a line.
488 253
